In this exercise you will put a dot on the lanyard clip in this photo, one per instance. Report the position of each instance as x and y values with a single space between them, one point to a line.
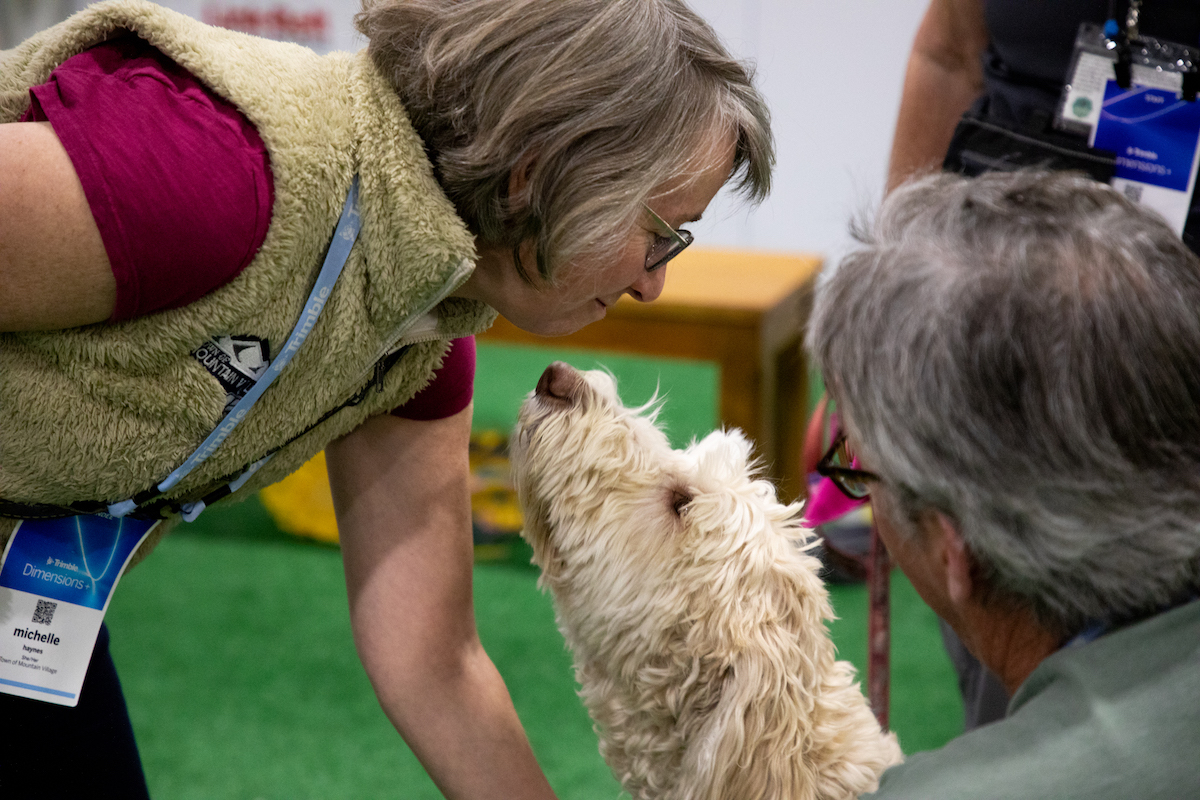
1119 39
1132 17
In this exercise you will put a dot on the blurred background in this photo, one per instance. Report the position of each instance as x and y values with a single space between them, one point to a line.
831 72
233 641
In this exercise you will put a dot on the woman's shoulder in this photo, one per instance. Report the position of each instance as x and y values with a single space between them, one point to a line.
178 180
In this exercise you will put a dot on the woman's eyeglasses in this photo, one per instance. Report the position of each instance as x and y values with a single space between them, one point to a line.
841 467
667 244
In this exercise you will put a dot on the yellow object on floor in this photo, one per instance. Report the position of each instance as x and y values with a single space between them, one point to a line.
302 503
494 509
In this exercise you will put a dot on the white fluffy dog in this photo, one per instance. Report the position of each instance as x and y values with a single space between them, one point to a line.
696 620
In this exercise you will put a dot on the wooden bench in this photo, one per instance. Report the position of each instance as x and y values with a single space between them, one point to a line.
744 310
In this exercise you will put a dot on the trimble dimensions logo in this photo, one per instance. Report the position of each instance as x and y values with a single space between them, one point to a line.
50 576
55 562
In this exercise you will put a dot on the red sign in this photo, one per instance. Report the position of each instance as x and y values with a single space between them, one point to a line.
278 22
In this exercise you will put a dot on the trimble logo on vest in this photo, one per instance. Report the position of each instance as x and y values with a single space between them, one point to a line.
235 361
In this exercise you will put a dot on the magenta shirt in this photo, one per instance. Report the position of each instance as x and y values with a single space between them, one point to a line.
179 183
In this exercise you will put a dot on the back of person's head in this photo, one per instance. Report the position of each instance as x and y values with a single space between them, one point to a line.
599 102
1021 352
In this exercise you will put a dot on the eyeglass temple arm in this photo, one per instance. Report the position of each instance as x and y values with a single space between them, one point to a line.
675 235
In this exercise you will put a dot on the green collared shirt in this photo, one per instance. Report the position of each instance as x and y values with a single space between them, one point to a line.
1116 718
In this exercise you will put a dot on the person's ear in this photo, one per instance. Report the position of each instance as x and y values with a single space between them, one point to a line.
956 559
518 179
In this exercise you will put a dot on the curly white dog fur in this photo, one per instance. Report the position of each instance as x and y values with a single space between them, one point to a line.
696 619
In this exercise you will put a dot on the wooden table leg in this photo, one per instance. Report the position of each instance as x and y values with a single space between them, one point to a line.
784 399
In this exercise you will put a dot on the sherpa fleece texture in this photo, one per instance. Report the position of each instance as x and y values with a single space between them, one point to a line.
105 411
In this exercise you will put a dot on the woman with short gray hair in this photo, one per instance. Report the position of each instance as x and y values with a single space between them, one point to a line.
594 103
181 207
1016 362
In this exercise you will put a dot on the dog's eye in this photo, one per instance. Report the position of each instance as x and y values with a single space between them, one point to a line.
679 502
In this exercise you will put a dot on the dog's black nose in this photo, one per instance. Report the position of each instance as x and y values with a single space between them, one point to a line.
560 382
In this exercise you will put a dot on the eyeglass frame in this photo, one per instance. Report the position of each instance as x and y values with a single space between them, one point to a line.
680 239
839 475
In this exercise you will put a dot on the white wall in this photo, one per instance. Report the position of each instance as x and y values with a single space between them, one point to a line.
831 71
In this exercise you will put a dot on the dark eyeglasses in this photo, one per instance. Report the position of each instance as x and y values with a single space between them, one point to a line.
667 244
840 466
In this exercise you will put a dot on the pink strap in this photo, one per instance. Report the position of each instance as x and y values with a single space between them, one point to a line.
826 502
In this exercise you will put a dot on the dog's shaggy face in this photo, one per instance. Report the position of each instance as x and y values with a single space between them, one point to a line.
696 619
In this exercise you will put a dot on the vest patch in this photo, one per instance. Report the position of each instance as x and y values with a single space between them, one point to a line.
235 361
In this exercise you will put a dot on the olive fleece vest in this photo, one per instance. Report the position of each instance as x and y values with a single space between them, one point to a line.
103 412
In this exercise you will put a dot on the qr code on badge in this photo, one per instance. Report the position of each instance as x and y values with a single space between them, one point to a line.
1133 191
44 613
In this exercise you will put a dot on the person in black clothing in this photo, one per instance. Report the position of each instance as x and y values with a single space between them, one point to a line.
1008 56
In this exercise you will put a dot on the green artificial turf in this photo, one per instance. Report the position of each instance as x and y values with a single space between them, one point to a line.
505 374
234 647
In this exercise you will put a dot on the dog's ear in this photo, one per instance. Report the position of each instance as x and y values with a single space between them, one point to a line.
777 730
744 751
680 498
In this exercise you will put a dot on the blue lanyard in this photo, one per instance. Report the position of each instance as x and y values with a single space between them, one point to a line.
335 259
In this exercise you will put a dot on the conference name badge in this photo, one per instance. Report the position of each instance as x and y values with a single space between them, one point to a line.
1154 134
56 579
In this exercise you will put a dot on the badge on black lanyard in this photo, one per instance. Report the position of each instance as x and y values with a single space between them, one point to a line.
1135 95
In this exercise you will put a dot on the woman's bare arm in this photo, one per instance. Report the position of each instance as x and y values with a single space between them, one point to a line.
54 271
402 496
943 78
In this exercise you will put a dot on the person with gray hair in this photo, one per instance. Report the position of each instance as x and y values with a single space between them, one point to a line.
1016 363
174 198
